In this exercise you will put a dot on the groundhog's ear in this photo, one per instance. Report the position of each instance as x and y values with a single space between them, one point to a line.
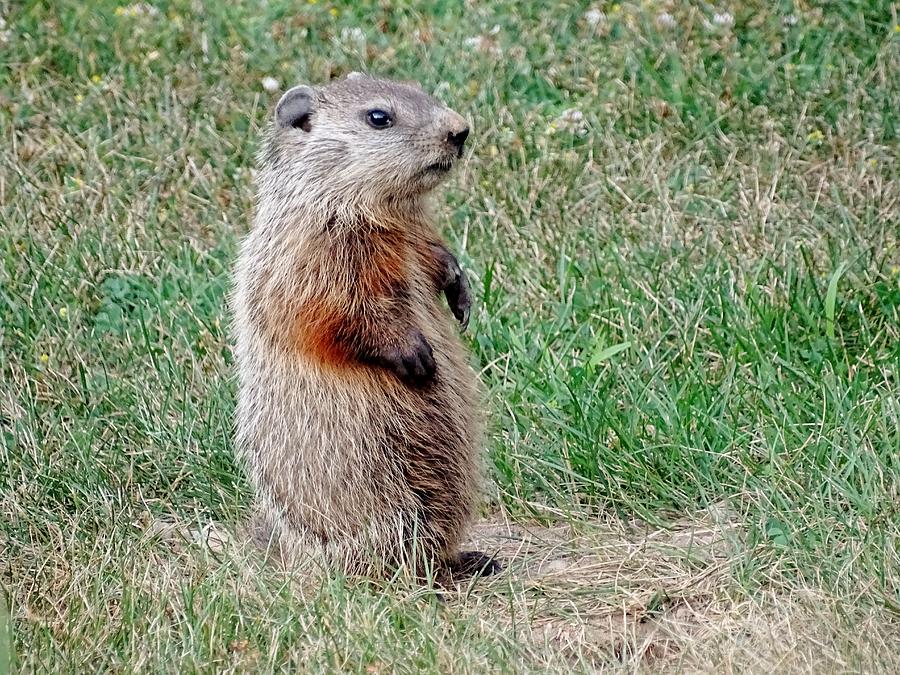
295 108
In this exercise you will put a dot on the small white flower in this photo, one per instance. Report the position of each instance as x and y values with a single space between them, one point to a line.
270 84
665 20
725 19
138 9
790 20
572 115
355 34
483 43
594 17
571 120
495 29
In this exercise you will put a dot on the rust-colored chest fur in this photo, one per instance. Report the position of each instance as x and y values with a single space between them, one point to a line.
349 292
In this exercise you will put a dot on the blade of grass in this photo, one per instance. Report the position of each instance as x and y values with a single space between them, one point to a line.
831 298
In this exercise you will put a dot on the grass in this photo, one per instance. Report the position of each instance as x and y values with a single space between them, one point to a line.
688 324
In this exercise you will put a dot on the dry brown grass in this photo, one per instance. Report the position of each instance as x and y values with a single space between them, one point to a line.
657 600
592 596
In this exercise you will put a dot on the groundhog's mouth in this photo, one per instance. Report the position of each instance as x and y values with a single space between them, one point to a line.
440 167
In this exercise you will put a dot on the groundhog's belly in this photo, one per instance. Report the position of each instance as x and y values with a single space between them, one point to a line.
340 451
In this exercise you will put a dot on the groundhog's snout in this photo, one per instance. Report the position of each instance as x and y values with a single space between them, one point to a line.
457 139
457 132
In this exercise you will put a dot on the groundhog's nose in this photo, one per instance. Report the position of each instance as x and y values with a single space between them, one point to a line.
457 138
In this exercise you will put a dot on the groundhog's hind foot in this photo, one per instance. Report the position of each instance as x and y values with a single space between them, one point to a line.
472 564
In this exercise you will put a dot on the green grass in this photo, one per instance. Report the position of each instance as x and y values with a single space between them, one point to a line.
688 303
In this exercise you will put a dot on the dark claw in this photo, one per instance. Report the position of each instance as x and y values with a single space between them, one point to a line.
459 301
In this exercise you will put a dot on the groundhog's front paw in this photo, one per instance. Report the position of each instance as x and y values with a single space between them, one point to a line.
413 360
472 563
458 298
453 282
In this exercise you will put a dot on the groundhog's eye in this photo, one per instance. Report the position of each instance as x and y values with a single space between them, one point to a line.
379 119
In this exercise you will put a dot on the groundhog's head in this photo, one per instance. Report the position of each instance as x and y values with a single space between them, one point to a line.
366 137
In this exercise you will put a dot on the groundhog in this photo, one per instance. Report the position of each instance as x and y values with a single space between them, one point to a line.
357 412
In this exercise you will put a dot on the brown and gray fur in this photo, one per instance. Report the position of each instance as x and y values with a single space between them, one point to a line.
357 410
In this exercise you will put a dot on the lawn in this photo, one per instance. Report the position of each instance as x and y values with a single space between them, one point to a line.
682 224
